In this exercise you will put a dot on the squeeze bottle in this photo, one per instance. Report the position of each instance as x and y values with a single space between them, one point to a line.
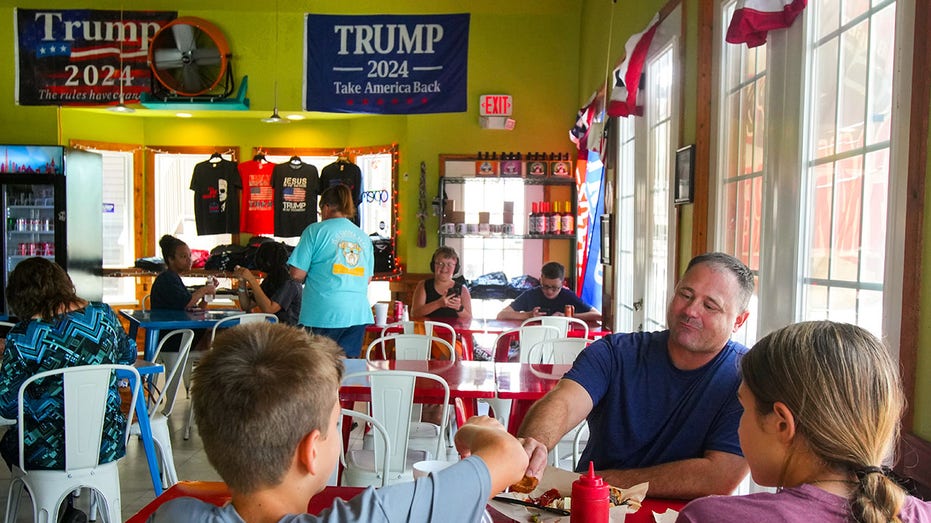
590 498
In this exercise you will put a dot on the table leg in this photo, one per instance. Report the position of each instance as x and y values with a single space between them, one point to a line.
151 343
145 432
519 409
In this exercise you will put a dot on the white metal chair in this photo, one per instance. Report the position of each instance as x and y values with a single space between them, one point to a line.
446 330
225 323
85 390
158 416
391 403
146 302
423 435
382 433
561 351
407 347
563 323
527 336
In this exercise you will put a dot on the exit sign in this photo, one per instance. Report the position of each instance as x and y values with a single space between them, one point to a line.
495 105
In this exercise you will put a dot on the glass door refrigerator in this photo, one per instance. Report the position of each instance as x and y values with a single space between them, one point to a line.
53 204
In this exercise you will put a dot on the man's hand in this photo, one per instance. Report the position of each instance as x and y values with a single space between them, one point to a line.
537 456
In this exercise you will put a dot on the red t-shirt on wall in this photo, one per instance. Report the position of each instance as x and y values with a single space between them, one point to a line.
257 213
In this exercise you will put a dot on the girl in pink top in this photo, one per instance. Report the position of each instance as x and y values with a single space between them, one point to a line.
822 403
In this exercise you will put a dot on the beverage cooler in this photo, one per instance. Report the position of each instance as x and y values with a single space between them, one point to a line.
53 198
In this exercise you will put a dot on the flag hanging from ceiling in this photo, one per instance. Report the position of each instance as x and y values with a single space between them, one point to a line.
753 19
627 77
591 276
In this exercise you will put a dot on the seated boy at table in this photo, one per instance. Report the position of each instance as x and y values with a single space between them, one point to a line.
266 405
549 299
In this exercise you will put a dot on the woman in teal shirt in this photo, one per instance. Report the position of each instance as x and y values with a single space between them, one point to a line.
335 260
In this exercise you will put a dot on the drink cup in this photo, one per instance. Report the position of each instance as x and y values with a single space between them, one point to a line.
381 314
425 468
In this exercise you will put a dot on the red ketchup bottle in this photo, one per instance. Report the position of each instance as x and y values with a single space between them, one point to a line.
590 498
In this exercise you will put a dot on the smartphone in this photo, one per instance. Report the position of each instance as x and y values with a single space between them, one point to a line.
454 291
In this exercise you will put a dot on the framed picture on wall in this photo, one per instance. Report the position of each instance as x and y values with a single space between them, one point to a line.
685 175
606 235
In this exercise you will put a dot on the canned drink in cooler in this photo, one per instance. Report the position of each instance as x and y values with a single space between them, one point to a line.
22 250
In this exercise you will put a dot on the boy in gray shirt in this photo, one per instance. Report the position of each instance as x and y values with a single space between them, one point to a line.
266 401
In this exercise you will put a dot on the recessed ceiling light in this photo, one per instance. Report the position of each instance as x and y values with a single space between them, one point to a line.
295 117
184 115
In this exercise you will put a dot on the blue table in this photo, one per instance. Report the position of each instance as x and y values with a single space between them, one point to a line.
155 321
147 369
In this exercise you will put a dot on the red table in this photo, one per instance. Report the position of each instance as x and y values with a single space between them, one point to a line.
216 492
479 326
525 383
469 380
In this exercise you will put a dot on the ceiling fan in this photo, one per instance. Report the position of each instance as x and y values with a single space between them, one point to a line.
190 58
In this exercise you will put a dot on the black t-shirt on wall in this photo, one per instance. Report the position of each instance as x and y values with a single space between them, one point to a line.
295 187
347 174
216 187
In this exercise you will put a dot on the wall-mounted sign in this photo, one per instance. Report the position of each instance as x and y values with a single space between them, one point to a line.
72 56
386 64
495 105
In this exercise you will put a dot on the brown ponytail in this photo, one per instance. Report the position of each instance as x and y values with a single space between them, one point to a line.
843 386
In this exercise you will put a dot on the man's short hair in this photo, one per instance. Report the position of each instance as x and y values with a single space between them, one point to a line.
260 389
738 268
553 271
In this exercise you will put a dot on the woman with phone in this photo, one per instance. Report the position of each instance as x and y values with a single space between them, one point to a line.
442 297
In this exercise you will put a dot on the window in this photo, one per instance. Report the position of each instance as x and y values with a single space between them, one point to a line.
826 85
174 201
120 179
742 149
645 218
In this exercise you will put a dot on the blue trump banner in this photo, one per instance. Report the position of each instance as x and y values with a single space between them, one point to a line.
386 64
81 56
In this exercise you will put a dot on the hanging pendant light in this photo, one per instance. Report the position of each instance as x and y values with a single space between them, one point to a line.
275 118
121 107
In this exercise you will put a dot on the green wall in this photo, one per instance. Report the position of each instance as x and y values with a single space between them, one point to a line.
526 49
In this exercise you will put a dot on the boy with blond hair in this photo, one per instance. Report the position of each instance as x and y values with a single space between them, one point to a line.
266 402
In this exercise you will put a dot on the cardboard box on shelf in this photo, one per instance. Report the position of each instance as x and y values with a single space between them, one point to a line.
484 217
508 207
507 217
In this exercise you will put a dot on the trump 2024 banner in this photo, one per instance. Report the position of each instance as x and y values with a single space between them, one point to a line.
386 64
72 56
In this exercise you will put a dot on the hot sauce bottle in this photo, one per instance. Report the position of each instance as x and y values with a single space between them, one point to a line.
590 498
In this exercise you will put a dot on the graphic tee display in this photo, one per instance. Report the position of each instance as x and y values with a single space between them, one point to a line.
216 185
348 174
295 187
258 202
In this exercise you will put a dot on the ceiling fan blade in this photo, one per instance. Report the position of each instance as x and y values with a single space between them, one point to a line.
206 56
167 58
184 36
